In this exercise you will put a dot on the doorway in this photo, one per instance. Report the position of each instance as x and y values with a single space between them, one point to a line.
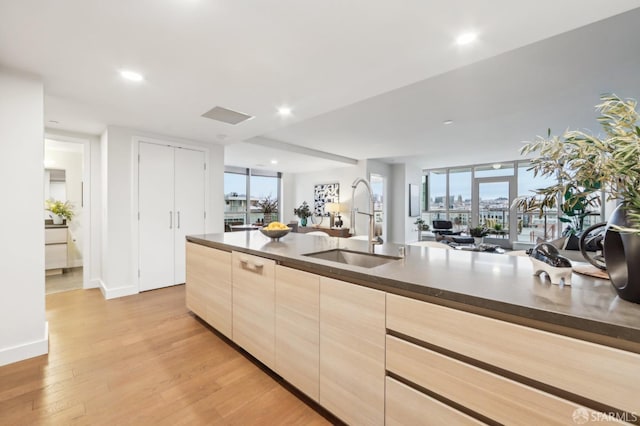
377 191
66 244
171 205
492 208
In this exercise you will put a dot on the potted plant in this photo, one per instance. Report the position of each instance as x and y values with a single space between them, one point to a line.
586 164
303 212
421 225
269 206
478 233
59 211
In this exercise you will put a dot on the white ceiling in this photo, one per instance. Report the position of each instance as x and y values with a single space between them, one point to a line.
318 58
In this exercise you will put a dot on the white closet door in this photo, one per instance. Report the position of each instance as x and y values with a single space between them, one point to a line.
189 203
157 217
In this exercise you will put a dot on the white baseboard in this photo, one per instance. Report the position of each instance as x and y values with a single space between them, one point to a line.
93 283
112 293
26 350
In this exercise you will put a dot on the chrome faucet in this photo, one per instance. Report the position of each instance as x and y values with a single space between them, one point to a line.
372 239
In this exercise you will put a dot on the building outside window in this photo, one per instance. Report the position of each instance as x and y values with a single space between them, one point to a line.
243 191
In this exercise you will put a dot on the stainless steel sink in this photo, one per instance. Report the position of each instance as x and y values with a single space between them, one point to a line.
355 258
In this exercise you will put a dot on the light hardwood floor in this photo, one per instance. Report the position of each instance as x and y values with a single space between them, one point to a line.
71 279
140 360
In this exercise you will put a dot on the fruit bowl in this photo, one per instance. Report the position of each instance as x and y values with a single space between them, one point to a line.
275 234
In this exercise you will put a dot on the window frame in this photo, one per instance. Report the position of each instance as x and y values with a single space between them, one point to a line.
248 173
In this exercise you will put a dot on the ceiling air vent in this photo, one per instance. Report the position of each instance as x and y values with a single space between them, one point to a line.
226 115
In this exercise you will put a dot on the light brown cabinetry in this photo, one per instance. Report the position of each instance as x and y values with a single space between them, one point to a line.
298 329
602 374
55 249
352 351
254 306
406 406
493 396
335 341
208 286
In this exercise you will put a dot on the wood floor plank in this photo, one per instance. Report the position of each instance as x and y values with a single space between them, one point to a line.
142 359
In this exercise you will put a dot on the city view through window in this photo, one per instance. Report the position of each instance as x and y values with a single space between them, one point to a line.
448 196
246 192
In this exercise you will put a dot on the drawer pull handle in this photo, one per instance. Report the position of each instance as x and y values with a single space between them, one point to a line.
251 265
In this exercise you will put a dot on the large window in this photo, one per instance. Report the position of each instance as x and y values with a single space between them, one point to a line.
437 190
245 190
448 195
265 188
532 226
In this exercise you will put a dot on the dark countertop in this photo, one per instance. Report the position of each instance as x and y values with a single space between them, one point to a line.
498 283
50 226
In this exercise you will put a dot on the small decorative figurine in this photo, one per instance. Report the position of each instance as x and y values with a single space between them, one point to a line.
546 258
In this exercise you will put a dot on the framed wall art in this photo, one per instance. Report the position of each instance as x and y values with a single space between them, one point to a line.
322 194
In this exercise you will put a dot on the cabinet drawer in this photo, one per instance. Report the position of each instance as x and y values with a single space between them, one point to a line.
247 267
55 256
406 406
493 396
55 235
563 362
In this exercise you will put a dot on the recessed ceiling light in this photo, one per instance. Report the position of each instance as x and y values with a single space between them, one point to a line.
466 38
274 161
496 166
284 111
447 122
131 75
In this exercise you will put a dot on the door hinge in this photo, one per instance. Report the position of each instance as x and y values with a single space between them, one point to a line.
138 273
205 166
138 215
205 215
138 158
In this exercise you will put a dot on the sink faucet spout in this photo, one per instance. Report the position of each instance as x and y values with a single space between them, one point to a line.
372 240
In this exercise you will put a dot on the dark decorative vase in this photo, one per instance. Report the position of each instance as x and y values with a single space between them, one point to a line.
622 256
303 221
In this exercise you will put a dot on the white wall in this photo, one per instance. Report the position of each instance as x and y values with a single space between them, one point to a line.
298 187
23 329
399 226
402 229
119 251
398 210
384 170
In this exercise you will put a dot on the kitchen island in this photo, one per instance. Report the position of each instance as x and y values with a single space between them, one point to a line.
360 341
